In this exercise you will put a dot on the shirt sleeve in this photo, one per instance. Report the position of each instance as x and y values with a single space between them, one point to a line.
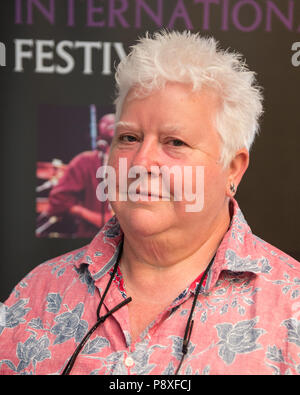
29 315
19 314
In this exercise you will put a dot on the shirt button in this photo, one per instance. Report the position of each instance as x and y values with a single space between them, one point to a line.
129 362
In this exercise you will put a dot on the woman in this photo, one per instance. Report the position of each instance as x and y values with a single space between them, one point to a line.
163 289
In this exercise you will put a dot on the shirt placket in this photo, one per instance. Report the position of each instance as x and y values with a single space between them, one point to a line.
121 317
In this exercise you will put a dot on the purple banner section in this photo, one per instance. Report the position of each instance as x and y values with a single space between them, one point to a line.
241 15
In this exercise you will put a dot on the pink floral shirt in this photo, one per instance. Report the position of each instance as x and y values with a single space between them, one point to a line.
246 319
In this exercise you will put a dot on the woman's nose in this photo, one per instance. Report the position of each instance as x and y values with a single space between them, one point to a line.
147 154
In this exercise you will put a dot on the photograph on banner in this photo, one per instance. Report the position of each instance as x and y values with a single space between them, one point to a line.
73 142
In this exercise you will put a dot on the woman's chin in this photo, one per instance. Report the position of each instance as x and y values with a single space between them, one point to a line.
144 221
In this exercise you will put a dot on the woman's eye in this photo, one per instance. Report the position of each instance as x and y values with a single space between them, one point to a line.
127 138
176 143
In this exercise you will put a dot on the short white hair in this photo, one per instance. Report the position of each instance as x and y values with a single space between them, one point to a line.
188 58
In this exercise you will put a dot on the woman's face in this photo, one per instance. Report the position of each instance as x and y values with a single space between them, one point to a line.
172 127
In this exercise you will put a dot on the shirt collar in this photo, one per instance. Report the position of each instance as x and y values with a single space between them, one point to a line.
236 253
102 252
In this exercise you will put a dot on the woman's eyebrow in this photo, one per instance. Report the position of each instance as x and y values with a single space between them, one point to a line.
126 125
173 128
163 129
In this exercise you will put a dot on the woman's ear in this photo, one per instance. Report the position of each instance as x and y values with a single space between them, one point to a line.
236 170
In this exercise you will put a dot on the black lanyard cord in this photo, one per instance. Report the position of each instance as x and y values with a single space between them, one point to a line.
110 281
71 362
190 321
100 320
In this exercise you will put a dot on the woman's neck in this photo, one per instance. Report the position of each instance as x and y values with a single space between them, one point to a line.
169 260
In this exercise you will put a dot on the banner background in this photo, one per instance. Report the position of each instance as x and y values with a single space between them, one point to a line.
263 31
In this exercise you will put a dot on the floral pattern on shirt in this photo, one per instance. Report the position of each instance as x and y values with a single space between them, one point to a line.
236 339
69 325
246 318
